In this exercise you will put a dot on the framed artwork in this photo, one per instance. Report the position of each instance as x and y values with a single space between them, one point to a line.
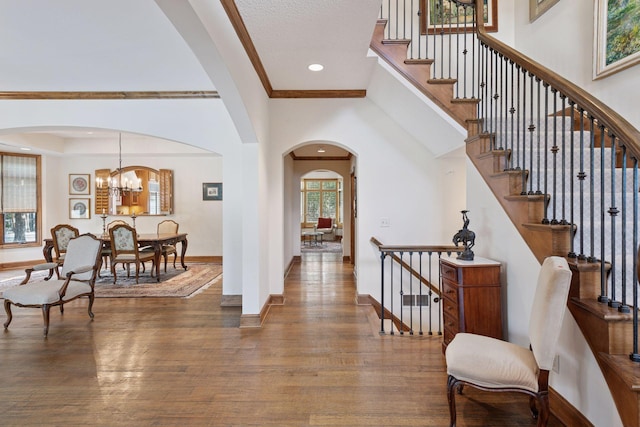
538 7
616 39
79 183
79 208
212 191
442 16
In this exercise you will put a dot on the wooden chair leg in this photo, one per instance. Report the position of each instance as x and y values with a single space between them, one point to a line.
7 308
45 315
91 298
451 395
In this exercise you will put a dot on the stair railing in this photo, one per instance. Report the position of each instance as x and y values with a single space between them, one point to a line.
411 288
562 143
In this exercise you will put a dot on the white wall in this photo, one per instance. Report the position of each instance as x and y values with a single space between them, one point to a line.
397 178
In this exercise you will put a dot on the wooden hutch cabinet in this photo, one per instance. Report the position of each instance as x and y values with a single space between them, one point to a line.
471 298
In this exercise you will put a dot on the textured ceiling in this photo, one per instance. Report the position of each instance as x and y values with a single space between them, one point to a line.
291 34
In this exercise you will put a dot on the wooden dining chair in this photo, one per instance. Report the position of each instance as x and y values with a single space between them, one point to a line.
168 226
79 270
61 235
124 249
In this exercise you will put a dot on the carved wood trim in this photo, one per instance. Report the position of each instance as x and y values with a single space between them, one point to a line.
110 95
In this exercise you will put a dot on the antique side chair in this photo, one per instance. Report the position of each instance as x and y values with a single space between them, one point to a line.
79 270
494 365
124 248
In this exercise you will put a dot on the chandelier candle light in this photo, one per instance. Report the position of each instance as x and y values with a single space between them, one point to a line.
120 185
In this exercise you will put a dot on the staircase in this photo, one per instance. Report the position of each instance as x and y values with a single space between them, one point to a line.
540 213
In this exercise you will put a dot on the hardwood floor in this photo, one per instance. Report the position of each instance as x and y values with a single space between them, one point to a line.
317 361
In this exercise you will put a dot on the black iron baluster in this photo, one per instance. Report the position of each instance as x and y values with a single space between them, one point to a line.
581 177
613 213
522 113
538 184
545 220
554 152
516 151
634 355
592 186
572 252
411 292
382 257
531 129
401 298
604 296
421 286
624 307
563 190
511 117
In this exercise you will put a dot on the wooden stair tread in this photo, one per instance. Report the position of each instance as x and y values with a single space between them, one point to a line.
628 370
442 81
525 197
425 61
602 311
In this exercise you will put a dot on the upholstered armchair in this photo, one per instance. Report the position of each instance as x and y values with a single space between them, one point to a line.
326 226
168 226
125 250
494 365
79 269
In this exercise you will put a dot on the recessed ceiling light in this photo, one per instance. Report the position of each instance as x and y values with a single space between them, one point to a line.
316 67
25 148
321 150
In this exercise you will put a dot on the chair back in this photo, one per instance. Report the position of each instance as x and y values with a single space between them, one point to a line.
114 223
168 226
547 312
325 223
61 235
123 239
82 251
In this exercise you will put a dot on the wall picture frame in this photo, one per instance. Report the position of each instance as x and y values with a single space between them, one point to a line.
431 20
615 46
538 7
212 191
79 183
79 208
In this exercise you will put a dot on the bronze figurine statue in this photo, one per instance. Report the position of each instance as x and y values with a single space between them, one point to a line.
466 237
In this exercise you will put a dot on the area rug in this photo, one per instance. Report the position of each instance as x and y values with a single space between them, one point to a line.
176 283
325 247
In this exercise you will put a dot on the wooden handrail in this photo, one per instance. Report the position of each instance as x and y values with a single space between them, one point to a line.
618 125
415 248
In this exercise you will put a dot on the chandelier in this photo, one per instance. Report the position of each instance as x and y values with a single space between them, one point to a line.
124 182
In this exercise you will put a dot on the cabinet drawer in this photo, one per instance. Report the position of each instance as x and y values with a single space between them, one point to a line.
448 272
450 323
450 307
450 291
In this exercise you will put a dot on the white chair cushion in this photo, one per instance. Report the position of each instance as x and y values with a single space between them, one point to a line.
491 363
39 293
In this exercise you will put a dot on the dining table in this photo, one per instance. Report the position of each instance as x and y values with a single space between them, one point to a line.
154 240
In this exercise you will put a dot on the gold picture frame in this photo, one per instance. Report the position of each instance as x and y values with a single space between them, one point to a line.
613 47
538 7
79 208
430 24
79 183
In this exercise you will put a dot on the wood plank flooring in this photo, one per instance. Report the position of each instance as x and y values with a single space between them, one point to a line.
317 361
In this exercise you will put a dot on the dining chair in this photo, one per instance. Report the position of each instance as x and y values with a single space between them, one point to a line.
494 365
168 226
106 252
61 234
124 248
79 270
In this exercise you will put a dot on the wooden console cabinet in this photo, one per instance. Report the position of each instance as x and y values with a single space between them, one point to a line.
471 298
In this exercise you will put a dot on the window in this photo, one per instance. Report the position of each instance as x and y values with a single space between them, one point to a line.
320 198
19 202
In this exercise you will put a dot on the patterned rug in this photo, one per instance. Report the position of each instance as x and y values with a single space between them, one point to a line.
176 283
325 247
